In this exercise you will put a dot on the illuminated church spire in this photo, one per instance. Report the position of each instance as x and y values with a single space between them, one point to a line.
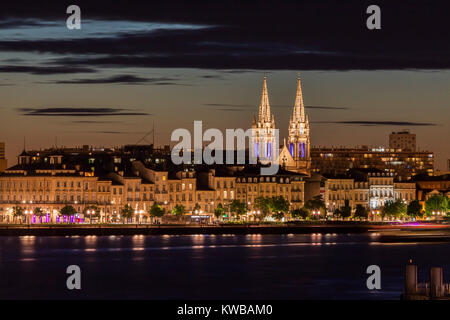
263 130
299 107
298 140
264 107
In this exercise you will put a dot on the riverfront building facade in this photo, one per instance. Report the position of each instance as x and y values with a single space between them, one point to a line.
51 181
371 188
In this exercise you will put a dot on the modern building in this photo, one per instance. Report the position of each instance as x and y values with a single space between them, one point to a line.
405 164
3 161
403 140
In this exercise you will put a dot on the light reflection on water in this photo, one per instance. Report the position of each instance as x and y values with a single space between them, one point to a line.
313 266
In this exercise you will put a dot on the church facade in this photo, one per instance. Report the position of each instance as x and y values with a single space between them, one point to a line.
295 152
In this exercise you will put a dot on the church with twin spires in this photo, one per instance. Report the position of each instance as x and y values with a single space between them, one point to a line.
294 153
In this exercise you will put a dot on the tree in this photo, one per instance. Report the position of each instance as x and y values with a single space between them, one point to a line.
68 211
179 211
17 212
436 203
394 208
38 212
279 206
337 213
262 204
414 208
197 207
126 212
346 210
300 213
219 211
238 207
156 211
361 212
401 208
316 203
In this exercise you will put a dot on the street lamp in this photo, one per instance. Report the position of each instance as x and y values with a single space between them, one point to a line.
141 212
90 217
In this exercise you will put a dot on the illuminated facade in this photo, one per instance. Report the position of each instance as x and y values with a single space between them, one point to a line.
290 186
370 188
50 180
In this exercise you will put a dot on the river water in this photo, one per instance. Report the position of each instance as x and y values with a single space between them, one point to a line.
317 266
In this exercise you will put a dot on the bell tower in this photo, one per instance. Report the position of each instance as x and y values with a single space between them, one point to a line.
298 139
263 128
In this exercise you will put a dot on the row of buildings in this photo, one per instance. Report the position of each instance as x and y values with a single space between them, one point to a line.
141 175
110 178
52 180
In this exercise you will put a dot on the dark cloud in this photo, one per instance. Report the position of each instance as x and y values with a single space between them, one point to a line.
117 132
326 108
79 112
212 76
120 79
94 122
230 109
114 79
379 123
261 35
45 70
235 107
242 106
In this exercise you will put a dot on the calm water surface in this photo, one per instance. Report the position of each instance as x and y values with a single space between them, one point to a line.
318 266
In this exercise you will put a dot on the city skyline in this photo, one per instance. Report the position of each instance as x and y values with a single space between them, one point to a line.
220 159
103 139
103 85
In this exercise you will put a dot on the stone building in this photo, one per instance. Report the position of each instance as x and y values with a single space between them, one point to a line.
371 188
52 181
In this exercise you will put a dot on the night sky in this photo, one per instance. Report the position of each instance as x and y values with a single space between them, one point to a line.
133 63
